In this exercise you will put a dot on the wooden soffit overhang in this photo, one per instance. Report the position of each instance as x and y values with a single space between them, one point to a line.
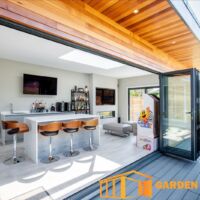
78 22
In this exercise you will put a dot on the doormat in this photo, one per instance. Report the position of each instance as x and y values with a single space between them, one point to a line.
36 194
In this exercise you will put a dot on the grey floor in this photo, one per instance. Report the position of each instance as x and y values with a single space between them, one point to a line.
68 175
166 168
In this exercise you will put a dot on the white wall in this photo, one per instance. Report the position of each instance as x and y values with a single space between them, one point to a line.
11 77
124 84
11 84
103 82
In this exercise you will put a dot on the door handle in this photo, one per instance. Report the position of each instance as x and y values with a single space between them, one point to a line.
188 113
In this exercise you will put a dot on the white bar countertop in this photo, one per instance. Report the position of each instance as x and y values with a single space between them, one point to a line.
36 145
26 112
61 117
20 115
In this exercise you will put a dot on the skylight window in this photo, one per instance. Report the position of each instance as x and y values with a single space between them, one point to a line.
189 10
92 60
194 8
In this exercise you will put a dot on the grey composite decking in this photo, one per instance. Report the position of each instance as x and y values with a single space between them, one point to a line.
163 168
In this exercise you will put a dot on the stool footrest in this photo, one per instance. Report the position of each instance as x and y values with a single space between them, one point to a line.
12 160
51 159
71 153
91 148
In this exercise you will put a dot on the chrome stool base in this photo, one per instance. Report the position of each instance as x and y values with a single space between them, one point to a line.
71 154
13 161
90 148
50 159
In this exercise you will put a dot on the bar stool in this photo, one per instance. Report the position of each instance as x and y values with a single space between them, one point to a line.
6 123
90 125
15 128
71 127
49 130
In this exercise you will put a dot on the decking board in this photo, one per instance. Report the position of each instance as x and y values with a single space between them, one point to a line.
163 168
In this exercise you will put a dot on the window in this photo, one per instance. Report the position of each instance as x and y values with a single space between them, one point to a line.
135 100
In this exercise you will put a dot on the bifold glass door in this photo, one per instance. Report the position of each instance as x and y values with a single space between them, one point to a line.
178 106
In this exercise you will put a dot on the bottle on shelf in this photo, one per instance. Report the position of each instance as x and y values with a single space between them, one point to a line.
11 108
80 100
72 106
33 107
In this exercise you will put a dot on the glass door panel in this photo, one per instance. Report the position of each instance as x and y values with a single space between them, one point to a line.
177 113
198 111
177 116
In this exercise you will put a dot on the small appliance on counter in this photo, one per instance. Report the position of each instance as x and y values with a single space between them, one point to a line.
38 106
63 106
52 108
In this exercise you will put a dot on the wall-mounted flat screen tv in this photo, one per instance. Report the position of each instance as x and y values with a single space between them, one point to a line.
39 85
105 96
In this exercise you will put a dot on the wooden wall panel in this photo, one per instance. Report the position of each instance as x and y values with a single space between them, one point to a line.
77 22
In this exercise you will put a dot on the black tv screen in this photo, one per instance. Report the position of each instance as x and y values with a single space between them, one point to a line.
105 96
39 85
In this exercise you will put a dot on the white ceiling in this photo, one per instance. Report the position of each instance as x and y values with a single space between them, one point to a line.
23 47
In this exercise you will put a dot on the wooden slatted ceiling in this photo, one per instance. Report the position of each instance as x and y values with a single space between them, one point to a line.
157 22
77 22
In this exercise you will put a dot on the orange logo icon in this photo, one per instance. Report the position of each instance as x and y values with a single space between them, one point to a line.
143 181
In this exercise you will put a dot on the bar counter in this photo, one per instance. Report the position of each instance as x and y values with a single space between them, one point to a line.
36 145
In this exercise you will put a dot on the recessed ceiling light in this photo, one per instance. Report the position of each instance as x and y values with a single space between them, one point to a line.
135 11
90 59
173 42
